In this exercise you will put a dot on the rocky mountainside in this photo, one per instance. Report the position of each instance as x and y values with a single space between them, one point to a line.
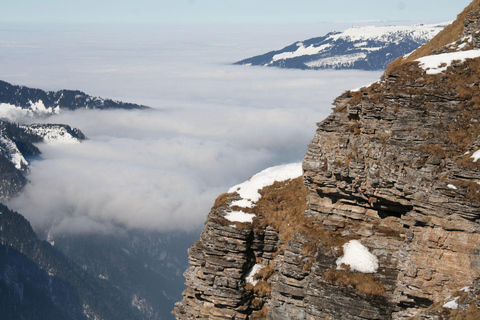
122 274
38 282
37 102
139 269
364 48
384 222
145 266
17 147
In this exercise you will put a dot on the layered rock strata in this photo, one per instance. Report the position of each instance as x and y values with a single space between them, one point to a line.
395 167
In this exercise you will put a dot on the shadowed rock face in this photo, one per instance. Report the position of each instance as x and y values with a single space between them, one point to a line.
391 167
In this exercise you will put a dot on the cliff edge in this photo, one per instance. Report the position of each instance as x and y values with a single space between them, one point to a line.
384 221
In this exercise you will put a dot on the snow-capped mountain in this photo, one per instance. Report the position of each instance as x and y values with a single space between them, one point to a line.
365 48
18 101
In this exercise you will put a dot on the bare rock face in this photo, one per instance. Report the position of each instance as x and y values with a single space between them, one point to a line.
392 167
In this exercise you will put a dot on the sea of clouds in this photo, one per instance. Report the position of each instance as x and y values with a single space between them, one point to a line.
212 125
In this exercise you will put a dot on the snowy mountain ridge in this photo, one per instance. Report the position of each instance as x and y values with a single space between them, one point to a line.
20 101
365 48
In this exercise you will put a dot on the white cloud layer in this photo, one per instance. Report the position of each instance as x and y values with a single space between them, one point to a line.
213 126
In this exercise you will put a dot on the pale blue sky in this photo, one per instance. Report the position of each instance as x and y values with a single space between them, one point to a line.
234 11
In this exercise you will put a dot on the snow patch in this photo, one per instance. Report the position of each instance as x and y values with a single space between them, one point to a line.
250 277
12 153
366 86
452 304
103 277
51 133
357 256
476 156
360 44
248 190
451 186
465 289
301 51
337 61
436 64
239 216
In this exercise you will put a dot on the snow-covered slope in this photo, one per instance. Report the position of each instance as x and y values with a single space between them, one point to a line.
366 48
10 150
249 190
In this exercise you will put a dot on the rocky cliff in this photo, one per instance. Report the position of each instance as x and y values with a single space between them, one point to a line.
393 171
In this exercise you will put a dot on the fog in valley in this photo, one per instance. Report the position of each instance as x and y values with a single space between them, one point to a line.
212 124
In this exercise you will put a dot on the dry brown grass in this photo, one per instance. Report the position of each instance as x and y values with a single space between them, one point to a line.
472 313
222 200
265 273
471 188
262 289
448 35
248 286
256 304
466 161
433 149
354 128
329 239
282 206
259 315
363 282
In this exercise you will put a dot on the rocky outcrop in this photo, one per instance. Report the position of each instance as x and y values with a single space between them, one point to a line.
394 168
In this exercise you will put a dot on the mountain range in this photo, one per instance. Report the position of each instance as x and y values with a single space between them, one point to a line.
124 274
364 48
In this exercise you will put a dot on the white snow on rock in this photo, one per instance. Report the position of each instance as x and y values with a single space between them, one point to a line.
435 64
239 216
13 154
52 133
39 108
451 186
357 256
301 51
248 190
476 156
387 33
249 278
465 289
452 304
365 86
340 60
